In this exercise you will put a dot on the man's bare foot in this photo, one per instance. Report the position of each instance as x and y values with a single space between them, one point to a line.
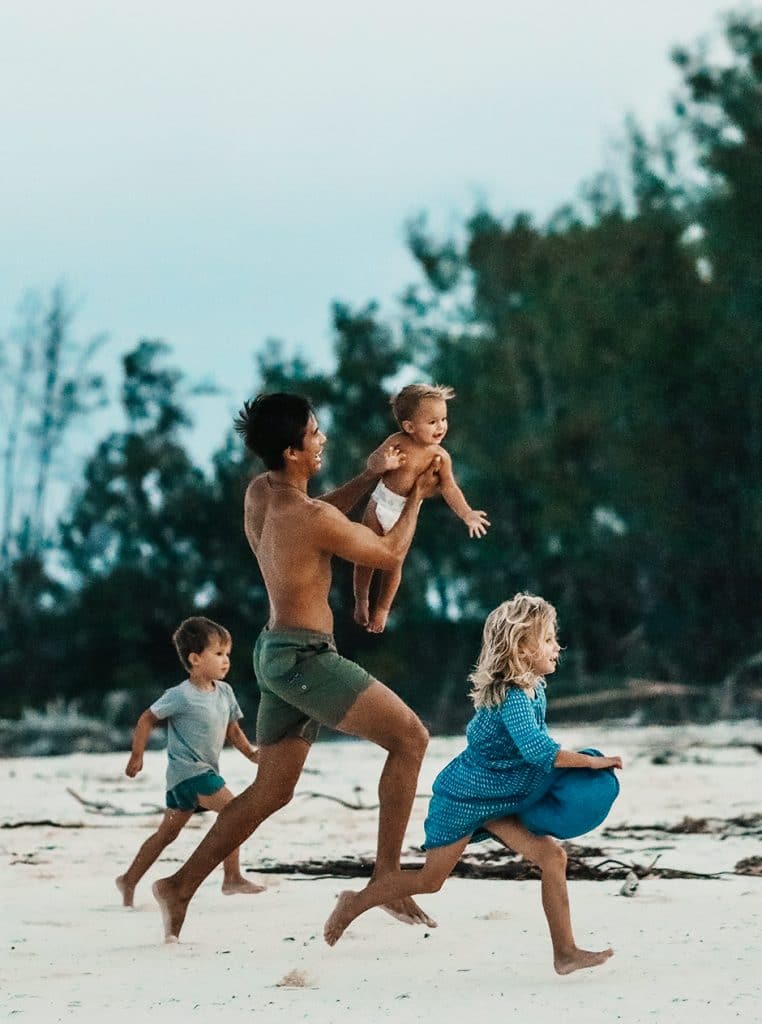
172 908
361 613
407 910
233 886
377 621
341 917
580 958
127 891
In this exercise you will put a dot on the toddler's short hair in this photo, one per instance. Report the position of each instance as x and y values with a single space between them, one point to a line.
406 401
194 635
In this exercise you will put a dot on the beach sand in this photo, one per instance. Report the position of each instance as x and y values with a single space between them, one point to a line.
686 950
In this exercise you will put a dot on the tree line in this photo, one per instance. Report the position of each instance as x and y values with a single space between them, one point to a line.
608 373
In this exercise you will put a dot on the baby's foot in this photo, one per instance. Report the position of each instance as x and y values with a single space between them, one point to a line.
173 909
580 958
234 886
127 890
340 919
361 613
377 621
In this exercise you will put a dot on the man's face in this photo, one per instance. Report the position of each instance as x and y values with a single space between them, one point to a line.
312 446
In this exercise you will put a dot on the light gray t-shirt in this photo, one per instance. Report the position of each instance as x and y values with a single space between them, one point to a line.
196 727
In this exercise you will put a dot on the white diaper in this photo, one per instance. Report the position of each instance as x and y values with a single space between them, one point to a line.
389 505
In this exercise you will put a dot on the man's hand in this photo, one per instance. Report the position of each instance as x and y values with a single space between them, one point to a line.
253 755
427 483
386 458
134 765
477 523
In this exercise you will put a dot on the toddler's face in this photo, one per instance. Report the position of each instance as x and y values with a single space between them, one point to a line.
428 424
213 662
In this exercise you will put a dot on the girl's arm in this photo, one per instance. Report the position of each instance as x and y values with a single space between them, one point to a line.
572 759
533 743
476 521
237 738
143 729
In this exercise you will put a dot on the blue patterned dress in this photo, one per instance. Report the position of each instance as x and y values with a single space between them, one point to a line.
507 769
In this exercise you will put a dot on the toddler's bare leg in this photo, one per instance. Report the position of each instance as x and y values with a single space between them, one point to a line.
393 886
363 574
233 881
551 858
390 582
171 825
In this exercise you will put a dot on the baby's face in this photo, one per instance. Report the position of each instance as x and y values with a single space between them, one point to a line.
428 424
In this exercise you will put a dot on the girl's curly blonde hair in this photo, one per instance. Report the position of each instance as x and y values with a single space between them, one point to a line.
511 634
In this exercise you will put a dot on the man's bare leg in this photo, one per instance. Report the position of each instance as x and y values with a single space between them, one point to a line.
379 715
280 765
363 574
171 825
390 584
233 882
551 858
388 889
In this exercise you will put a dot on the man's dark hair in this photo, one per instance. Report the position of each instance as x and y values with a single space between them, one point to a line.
194 635
272 423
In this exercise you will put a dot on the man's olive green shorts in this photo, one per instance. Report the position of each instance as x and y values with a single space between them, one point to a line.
304 683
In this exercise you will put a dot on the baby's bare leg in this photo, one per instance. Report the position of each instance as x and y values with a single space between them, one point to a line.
390 583
363 574
551 858
171 825
233 881
388 888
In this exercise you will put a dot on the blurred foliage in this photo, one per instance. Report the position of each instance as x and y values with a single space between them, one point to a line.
608 377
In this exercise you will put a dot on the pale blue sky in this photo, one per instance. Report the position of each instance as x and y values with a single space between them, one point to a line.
217 174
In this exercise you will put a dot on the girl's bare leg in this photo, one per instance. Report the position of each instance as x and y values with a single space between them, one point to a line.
390 583
393 886
550 856
363 574
233 881
171 825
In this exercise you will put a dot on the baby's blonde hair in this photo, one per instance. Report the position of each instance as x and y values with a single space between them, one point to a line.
511 633
405 402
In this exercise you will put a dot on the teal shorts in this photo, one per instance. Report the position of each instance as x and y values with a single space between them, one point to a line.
304 683
184 797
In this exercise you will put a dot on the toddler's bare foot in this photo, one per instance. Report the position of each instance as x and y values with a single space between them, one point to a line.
232 886
340 919
377 621
127 891
173 909
580 958
361 613
407 910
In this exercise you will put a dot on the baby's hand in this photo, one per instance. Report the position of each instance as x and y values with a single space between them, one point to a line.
477 523
384 459
253 755
606 762
134 765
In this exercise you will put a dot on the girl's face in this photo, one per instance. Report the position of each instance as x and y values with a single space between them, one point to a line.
544 657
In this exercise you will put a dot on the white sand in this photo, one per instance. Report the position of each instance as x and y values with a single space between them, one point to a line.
686 950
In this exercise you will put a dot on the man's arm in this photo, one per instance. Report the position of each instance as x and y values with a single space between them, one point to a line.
476 521
386 457
237 738
356 543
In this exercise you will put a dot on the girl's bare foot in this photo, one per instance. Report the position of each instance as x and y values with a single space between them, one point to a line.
361 613
579 959
127 891
173 909
377 621
233 886
340 919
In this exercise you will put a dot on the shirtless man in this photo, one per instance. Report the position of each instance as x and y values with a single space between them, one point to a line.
303 681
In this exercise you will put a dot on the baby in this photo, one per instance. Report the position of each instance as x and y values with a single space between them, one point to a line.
421 412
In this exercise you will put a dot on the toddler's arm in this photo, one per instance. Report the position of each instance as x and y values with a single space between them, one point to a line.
237 738
476 521
143 729
572 759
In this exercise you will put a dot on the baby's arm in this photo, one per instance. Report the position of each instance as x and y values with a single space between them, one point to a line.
476 521
237 738
143 729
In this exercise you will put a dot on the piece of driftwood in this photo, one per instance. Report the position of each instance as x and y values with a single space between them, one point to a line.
749 866
43 823
357 805
743 825
111 810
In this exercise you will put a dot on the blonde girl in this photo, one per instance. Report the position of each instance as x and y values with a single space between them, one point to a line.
513 782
